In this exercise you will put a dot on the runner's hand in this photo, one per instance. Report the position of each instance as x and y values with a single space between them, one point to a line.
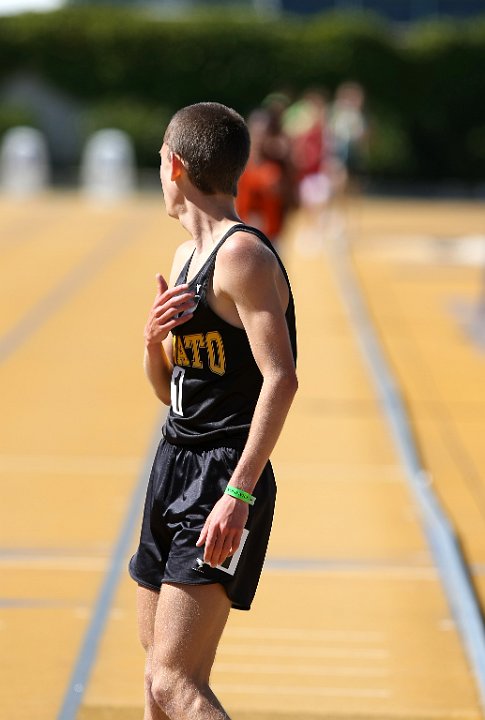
223 528
164 314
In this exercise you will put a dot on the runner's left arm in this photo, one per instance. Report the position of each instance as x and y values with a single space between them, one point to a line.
249 275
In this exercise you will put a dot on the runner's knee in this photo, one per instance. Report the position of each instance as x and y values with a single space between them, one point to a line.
165 686
148 677
174 691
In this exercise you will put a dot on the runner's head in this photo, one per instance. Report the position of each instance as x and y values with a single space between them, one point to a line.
212 141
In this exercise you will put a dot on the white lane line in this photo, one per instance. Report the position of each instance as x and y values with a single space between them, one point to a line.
304 651
16 603
70 464
39 560
78 681
276 690
306 670
49 562
283 633
443 542
321 473
348 569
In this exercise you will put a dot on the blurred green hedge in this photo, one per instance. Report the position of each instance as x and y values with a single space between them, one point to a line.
13 116
424 85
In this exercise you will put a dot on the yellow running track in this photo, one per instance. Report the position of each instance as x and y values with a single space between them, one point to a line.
351 620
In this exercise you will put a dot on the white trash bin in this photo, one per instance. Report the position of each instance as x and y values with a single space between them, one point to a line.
24 162
108 165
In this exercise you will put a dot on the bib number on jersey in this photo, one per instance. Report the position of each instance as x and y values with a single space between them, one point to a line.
176 390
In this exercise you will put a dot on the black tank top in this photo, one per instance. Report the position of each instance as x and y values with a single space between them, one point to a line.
215 380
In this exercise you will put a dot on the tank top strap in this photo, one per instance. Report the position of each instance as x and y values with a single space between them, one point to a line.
208 267
182 276
209 263
269 244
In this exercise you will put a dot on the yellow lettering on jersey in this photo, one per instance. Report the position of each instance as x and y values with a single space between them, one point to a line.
186 351
194 343
179 354
215 352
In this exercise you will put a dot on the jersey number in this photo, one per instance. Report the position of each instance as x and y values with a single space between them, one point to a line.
176 390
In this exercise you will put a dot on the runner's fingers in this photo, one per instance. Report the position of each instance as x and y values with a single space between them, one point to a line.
178 321
174 304
156 330
162 284
174 296
173 309
172 316
175 290
213 547
222 548
236 541
226 549
202 535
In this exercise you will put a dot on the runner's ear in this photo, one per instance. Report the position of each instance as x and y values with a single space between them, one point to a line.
177 166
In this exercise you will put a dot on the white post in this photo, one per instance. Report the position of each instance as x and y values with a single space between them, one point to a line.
108 165
24 162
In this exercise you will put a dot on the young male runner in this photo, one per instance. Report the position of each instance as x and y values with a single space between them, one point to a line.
220 349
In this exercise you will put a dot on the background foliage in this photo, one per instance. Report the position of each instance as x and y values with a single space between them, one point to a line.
424 85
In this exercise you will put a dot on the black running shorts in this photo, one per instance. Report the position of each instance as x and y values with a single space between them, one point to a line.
185 484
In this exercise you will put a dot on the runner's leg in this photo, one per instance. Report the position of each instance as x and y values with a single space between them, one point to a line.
147 601
188 626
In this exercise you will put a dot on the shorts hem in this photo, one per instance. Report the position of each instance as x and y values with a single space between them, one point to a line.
201 581
209 581
141 582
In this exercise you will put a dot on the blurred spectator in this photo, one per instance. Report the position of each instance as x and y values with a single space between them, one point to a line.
278 147
264 190
348 127
306 124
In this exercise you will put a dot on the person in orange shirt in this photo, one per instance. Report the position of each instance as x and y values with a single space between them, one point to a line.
261 199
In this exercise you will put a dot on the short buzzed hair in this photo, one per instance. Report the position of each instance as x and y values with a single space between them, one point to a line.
213 142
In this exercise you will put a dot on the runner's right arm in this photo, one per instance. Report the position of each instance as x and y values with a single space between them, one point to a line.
169 302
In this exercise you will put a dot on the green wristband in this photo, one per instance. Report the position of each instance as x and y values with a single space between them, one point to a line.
240 494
